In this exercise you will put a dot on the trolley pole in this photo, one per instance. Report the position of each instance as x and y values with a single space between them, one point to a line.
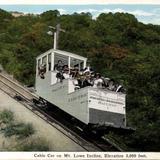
57 30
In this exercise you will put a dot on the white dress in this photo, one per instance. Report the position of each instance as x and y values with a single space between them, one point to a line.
98 83
66 76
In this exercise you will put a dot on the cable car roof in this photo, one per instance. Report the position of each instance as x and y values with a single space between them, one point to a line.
62 53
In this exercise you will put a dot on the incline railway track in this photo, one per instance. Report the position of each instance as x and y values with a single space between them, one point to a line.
25 97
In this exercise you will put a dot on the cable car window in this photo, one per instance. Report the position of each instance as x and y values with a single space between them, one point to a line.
60 57
82 65
49 62
44 60
76 63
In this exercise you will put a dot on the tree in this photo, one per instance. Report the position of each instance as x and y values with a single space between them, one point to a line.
108 55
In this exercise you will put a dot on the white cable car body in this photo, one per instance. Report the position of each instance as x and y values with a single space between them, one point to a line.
89 105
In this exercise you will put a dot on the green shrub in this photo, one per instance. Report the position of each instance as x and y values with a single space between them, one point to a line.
6 116
8 130
20 130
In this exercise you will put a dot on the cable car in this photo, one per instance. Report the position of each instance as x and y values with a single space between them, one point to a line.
91 106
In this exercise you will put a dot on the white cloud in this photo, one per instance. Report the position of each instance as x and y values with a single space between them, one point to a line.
139 13
136 12
62 11
87 10
146 17
155 21
111 10
36 13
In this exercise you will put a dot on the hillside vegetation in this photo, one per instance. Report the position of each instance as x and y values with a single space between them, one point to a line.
117 45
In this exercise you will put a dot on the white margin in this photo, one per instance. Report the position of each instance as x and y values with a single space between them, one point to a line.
56 2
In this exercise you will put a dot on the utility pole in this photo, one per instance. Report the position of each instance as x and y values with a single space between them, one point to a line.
57 30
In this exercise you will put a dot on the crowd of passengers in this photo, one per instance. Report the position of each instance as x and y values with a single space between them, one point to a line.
85 77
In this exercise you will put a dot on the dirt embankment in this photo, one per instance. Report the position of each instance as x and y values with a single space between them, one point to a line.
55 140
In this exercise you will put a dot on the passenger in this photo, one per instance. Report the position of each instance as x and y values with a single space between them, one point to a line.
75 71
59 66
66 72
76 67
42 70
59 69
120 88
111 85
88 69
98 82
65 67
86 82
87 73
105 82
92 78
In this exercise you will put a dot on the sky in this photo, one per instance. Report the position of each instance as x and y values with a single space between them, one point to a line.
146 13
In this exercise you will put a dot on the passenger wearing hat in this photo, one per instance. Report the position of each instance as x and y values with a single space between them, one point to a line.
98 81
88 70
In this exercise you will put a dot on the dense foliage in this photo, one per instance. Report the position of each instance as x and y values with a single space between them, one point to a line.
117 45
